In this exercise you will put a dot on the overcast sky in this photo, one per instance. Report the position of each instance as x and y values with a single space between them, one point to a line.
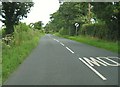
41 11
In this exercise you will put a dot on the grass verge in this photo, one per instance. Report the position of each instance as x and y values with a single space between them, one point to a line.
0 62
108 45
14 54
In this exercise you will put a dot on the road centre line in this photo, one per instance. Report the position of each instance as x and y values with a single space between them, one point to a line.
54 39
69 50
57 40
100 75
62 44
93 69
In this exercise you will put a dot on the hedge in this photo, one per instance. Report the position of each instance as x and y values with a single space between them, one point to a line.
99 30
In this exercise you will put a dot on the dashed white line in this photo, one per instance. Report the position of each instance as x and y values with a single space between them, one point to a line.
100 75
62 44
54 39
57 40
69 50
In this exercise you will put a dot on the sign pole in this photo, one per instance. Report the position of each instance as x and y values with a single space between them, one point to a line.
76 25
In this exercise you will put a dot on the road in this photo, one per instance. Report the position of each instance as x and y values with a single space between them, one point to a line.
59 61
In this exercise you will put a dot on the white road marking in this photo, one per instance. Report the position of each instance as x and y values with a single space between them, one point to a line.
54 39
113 57
117 64
69 50
93 61
62 44
57 40
114 63
100 75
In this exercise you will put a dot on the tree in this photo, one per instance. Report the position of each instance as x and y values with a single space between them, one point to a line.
13 12
67 15
108 12
38 25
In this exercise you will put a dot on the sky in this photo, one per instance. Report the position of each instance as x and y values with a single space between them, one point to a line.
41 11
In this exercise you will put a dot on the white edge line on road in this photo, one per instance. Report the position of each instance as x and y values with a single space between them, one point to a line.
69 50
100 75
62 44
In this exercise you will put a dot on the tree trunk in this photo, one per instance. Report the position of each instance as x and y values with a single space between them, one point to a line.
9 28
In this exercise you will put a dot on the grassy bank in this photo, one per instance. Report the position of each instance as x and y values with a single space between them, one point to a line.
108 45
25 40
0 62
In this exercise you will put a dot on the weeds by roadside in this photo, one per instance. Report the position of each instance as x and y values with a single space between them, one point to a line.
0 62
13 53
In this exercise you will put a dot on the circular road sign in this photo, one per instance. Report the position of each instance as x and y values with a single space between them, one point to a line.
76 24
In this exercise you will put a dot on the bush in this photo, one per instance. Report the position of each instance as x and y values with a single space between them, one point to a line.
99 30
21 27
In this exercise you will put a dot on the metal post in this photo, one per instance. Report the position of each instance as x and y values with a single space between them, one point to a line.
76 25
76 30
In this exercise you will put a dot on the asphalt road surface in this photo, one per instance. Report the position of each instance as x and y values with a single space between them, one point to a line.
59 61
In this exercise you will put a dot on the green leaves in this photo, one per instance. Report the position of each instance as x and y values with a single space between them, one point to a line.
108 12
105 15
38 25
68 14
12 12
